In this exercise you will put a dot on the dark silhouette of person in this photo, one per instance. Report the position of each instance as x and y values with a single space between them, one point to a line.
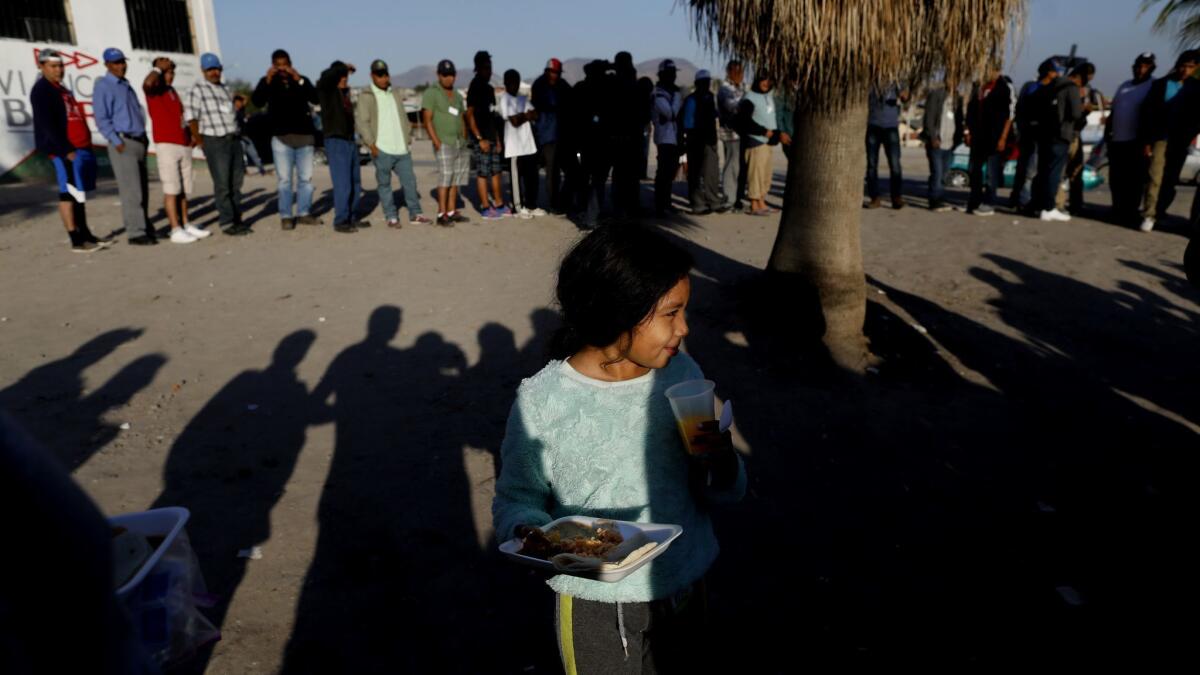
73 567
592 110
50 401
631 108
398 581
231 463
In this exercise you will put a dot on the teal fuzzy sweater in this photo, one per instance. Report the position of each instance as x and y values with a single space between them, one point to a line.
579 446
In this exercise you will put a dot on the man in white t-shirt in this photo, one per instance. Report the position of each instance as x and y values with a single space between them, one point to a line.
1126 157
519 146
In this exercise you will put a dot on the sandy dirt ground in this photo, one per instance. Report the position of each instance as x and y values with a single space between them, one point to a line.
1013 481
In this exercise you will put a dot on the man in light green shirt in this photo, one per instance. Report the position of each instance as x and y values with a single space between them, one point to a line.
383 126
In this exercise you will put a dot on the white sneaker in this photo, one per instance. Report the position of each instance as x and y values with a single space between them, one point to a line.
1055 215
524 213
181 236
538 212
1147 225
196 232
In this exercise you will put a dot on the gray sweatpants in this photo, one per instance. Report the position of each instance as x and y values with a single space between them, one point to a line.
733 172
703 190
637 638
129 167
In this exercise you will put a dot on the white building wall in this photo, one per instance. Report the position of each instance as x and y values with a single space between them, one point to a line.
97 24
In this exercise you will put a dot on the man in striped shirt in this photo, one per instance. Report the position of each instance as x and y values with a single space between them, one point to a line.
213 125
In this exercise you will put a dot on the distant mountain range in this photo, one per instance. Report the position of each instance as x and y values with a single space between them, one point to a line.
572 72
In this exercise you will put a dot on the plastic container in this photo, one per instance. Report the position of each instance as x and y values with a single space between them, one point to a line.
163 597
662 535
166 522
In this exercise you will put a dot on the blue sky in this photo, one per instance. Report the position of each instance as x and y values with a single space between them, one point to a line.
524 33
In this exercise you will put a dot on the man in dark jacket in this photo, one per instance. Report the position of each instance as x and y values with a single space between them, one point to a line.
700 138
1057 106
989 119
629 112
1169 120
552 99
1027 124
287 95
592 111
60 131
337 126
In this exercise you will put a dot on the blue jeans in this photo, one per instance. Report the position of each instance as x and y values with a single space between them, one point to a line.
402 165
983 188
939 164
252 153
1052 158
300 159
889 137
347 178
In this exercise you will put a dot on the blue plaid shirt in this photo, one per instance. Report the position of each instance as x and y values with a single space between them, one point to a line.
117 110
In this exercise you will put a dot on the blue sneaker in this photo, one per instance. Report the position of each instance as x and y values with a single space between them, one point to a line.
504 212
490 213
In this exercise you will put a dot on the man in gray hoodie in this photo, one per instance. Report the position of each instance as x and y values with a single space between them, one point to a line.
941 132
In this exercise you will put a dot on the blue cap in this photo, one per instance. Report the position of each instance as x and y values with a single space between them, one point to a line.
113 54
209 60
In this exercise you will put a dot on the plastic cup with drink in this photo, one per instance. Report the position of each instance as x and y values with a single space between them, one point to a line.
694 403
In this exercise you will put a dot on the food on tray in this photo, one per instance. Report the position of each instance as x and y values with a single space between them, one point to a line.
595 541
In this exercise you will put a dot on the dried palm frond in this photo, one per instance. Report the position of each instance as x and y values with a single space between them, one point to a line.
838 48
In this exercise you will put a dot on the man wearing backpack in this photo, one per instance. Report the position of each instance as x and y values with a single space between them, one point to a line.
1026 122
1058 106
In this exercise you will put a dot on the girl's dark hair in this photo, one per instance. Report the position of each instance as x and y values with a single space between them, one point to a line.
610 281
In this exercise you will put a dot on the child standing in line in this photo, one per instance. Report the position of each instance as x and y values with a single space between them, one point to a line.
519 146
593 434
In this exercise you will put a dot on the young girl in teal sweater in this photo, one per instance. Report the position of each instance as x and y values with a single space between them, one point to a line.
593 434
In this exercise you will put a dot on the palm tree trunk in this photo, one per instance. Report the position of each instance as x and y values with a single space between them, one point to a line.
817 250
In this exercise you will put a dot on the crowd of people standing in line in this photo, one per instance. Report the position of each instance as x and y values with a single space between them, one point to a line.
578 135
1148 127
589 137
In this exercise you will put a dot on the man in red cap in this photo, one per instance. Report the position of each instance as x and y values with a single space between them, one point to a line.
552 99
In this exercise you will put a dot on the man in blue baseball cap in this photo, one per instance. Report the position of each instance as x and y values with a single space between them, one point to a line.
1058 106
214 127
122 121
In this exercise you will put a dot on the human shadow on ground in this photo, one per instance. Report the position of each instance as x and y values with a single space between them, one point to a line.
230 464
51 402
399 579
928 515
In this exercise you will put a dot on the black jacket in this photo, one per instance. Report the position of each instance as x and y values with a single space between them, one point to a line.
700 110
337 119
559 105
287 103
986 118
49 120
1160 120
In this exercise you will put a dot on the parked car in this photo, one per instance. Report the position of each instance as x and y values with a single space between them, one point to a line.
1188 175
957 176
